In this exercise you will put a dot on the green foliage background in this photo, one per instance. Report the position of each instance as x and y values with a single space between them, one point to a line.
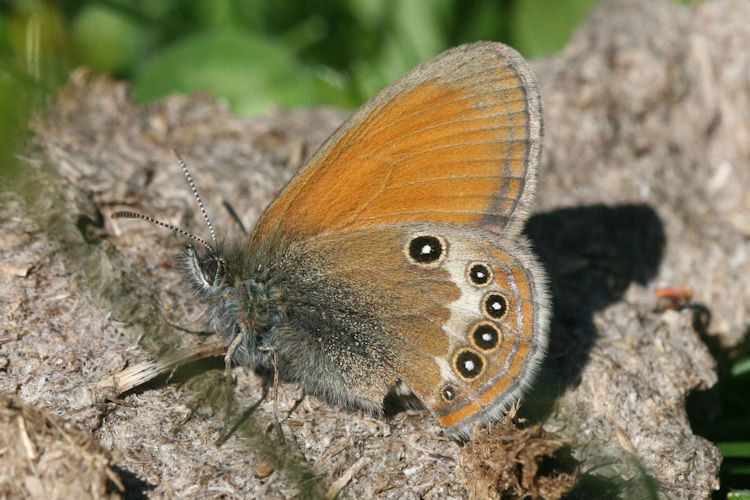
262 53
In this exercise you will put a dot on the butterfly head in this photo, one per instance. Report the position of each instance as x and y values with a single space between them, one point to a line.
240 295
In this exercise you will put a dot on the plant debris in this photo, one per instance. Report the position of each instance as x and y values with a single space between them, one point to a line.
505 461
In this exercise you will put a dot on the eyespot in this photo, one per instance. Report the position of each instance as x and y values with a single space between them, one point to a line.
479 274
495 305
468 364
485 336
448 392
426 250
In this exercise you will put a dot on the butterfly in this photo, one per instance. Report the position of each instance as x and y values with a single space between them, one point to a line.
393 262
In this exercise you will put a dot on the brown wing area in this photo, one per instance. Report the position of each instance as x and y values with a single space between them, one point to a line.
454 141
365 273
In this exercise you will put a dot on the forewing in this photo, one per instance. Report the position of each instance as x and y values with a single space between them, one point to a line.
456 140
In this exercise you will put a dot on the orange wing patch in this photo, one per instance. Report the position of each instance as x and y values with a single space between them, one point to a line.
451 419
449 143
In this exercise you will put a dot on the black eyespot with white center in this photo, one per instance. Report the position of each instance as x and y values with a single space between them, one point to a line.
448 392
495 305
479 274
426 250
485 336
468 364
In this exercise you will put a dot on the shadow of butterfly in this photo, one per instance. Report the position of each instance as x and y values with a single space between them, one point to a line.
393 262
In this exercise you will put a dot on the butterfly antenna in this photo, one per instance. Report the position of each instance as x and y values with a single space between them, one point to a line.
127 214
190 182
234 216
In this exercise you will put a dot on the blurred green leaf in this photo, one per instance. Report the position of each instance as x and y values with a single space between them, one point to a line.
107 39
251 71
737 469
741 367
38 41
420 29
544 26
483 21
414 33
735 449
215 12
33 62
5 47
13 107
249 51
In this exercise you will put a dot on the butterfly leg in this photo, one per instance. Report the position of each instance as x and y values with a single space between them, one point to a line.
230 354
272 350
227 367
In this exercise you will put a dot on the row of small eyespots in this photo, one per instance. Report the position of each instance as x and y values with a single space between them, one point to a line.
429 251
485 335
495 305
469 363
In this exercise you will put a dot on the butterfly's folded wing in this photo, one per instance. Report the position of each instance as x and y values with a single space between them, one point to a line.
449 152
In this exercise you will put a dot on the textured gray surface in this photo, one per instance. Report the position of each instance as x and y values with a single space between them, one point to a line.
643 186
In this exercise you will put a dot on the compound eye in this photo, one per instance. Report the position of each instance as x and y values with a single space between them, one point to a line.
209 269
